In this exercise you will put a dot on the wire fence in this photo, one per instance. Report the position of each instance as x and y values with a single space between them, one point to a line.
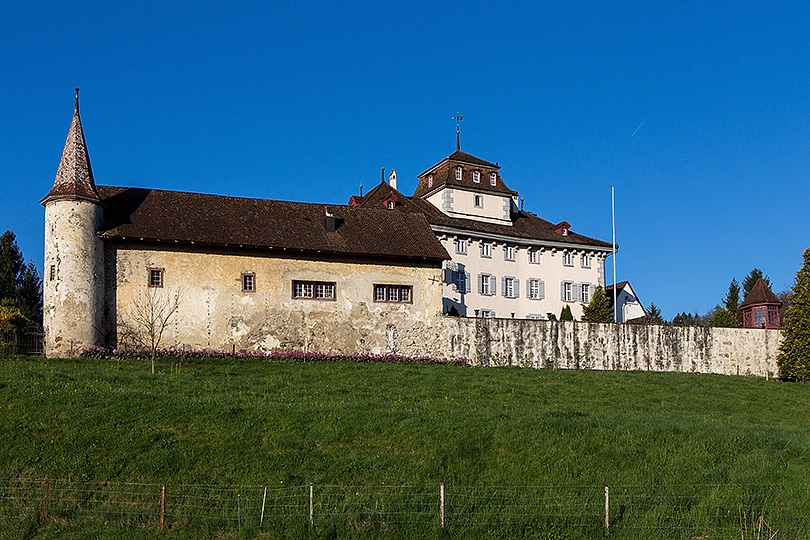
699 511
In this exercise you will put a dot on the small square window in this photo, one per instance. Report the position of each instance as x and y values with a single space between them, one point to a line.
534 256
461 246
486 250
156 277
248 282
509 253
568 259
390 205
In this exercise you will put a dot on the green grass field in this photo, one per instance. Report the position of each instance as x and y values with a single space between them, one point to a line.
256 423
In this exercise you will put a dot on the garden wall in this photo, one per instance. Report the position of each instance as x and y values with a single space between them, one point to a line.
565 345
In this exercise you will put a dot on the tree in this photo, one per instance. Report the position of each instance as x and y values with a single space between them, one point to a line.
654 314
731 303
721 317
19 282
565 314
794 351
686 319
150 313
599 308
751 279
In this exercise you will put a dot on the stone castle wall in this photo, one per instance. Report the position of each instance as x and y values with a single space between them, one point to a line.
564 345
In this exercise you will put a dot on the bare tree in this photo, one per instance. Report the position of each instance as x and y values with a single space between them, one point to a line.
150 313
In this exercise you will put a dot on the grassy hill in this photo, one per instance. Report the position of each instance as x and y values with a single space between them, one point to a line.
250 422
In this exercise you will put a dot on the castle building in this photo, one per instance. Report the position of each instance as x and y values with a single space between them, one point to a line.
506 262
224 272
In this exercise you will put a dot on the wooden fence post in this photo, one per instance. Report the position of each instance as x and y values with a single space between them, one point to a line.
264 500
47 496
441 503
311 505
162 504
607 511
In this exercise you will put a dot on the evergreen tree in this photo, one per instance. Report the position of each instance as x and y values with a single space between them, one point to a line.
686 319
794 351
599 308
20 283
654 314
565 314
752 277
722 317
731 303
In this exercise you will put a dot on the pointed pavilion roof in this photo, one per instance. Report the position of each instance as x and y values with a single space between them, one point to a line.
760 294
74 178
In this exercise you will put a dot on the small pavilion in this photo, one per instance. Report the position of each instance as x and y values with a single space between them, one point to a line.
761 307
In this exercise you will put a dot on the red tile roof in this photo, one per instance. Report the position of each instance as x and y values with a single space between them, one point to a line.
185 218
444 175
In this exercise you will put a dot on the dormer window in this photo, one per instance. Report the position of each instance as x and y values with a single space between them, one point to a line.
390 205
430 181
458 173
492 179
477 177
390 201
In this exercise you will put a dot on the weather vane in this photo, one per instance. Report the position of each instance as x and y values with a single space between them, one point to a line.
458 118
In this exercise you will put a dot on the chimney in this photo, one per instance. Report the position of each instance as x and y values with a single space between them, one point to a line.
392 178
330 222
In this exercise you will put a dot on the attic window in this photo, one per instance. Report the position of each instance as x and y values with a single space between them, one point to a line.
390 205
430 181
492 179
477 176
564 232
458 173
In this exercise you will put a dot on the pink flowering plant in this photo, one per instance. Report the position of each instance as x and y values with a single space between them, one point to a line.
300 357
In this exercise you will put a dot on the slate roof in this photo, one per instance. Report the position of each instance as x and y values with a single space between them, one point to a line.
525 225
74 178
214 220
760 294
444 175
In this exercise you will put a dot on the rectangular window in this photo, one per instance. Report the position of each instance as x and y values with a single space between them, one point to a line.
568 259
394 294
586 260
248 282
486 284
461 280
585 295
479 201
567 291
53 272
461 246
509 253
510 287
156 277
534 256
458 173
537 289
477 177
492 179
484 313
486 250
317 290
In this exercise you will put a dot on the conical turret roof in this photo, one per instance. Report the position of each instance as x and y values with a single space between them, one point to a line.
74 179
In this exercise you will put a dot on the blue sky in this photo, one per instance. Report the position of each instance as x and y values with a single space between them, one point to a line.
697 113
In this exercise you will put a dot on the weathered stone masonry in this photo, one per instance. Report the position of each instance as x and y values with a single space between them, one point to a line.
565 345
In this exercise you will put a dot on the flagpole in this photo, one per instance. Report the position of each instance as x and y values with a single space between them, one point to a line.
613 217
